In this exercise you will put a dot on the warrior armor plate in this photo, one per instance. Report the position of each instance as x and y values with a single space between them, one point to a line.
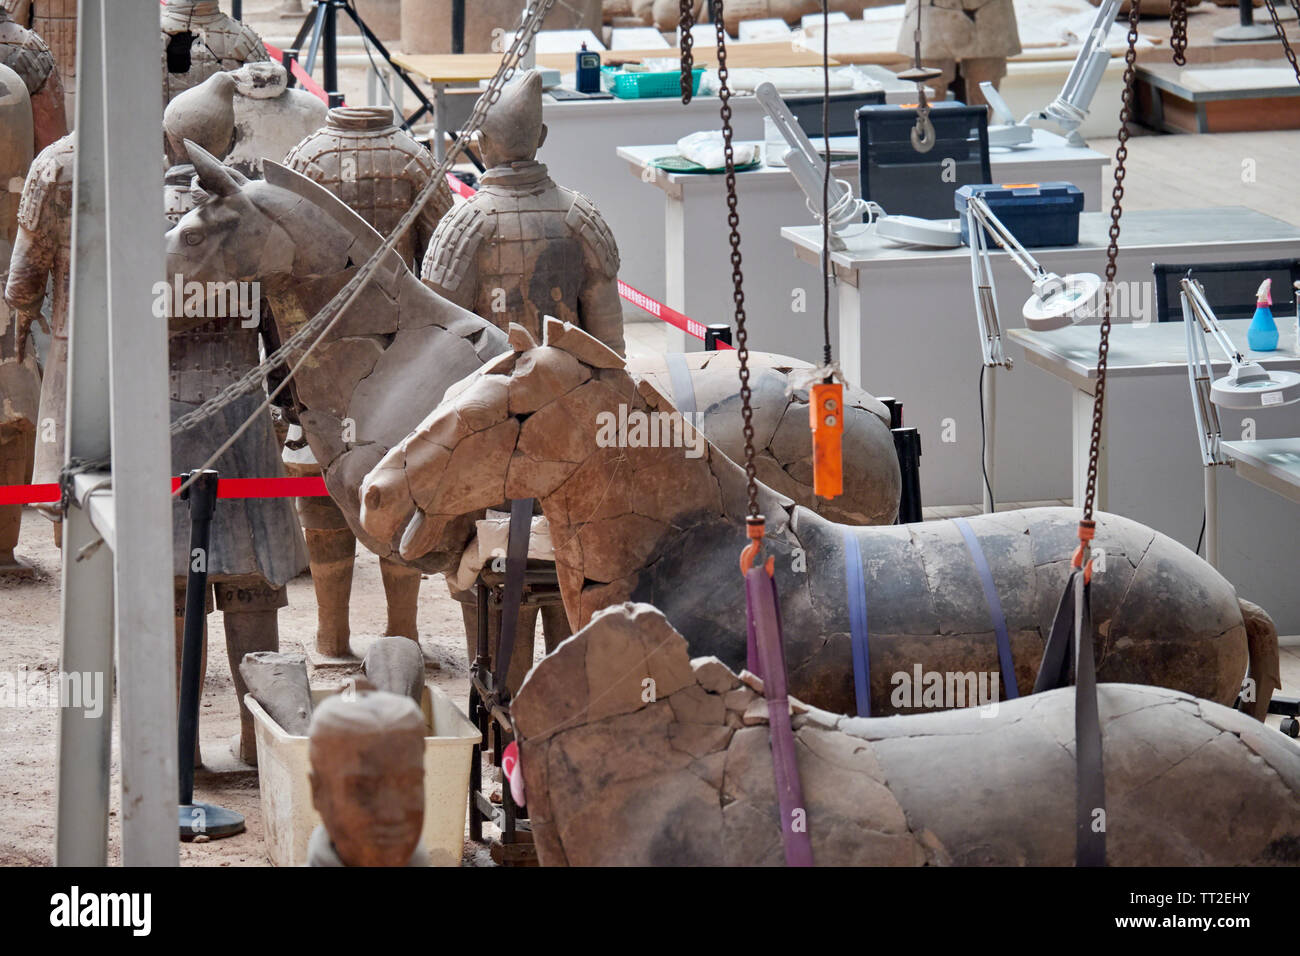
199 40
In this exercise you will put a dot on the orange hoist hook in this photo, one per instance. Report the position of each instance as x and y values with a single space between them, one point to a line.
1086 531
826 416
754 528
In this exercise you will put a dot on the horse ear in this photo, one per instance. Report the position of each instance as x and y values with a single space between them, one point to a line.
582 345
521 340
215 178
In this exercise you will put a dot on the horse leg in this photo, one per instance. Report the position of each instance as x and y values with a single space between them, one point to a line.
402 590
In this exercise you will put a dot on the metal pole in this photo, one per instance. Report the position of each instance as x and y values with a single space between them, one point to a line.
81 828
1211 516
907 444
137 358
990 399
714 334
457 26
331 48
202 496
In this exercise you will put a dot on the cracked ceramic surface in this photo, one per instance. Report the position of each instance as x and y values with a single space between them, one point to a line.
634 754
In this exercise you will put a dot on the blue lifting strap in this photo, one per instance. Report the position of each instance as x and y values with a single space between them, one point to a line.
995 607
856 585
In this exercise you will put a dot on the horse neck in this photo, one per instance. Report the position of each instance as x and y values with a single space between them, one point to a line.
660 484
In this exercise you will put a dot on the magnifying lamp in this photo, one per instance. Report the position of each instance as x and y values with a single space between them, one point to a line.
1070 108
845 211
1248 385
1057 301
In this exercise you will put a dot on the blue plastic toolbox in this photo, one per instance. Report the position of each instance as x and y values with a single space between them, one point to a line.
1037 214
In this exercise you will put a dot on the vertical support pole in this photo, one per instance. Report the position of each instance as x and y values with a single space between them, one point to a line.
990 399
202 496
714 334
457 26
331 76
81 828
137 358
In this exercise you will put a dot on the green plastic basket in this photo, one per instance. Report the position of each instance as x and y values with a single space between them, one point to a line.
643 86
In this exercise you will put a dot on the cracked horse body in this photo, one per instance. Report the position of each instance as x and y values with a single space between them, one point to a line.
685 779
394 352
652 524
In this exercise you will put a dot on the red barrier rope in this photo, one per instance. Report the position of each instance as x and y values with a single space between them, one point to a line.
313 487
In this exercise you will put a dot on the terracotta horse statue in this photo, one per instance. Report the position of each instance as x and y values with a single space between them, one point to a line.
391 356
653 524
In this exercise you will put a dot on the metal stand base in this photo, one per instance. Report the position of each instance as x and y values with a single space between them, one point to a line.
207 820
1241 34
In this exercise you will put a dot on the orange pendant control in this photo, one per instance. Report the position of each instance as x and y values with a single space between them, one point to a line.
826 413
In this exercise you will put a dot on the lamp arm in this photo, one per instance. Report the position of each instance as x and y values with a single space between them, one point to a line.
1208 321
1071 105
1199 377
986 295
1004 238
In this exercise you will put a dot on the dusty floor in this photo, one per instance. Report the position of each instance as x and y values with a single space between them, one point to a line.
29 641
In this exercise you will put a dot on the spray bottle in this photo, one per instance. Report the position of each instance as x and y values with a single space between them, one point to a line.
1262 334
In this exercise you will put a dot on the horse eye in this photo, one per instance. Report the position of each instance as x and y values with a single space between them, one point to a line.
192 237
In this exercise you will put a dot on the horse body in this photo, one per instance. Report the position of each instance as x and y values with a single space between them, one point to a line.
655 525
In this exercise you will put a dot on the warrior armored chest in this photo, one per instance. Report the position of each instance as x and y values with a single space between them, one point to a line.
369 163
198 41
530 262
26 54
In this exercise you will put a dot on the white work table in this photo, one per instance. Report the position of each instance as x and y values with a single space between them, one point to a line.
1151 467
907 329
695 253
580 152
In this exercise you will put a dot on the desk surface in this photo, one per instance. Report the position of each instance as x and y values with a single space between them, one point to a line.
1271 462
1154 229
1158 348
473 67
1046 148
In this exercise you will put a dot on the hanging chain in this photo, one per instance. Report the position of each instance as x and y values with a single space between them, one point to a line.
1281 34
737 275
684 26
1178 30
1112 254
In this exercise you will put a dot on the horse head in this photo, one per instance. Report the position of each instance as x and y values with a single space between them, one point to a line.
519 427
279 230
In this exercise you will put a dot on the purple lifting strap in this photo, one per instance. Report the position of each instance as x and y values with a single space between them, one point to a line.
763 613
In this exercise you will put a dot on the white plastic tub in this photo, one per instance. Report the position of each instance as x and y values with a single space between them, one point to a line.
288 816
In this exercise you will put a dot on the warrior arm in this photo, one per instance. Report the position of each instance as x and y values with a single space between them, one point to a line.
29 270
450 264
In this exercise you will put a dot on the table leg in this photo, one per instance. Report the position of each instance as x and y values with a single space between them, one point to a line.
675 271
850 350
1082 441
990 396
1212 516
439 121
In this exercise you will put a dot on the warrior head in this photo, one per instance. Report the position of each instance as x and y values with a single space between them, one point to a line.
513 130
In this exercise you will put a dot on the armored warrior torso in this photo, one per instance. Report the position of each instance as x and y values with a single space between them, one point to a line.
362 157
199 40
524 248
27 55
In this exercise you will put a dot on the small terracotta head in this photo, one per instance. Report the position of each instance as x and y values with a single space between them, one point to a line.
513 130
367 776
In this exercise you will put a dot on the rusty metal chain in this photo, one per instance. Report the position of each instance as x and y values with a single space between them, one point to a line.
737 274
1112 255
1281 34
684 26
1178 30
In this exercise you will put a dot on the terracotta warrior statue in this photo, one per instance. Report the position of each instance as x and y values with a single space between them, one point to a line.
367 781
20 376
970 40
24 52
682 776
376 168
264 117
199 40
523 247
256 546
56 22
666 14
42 255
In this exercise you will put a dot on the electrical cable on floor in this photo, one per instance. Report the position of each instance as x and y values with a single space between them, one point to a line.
984 440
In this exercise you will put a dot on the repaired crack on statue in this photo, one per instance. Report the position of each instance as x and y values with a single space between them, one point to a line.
633 754
632 521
